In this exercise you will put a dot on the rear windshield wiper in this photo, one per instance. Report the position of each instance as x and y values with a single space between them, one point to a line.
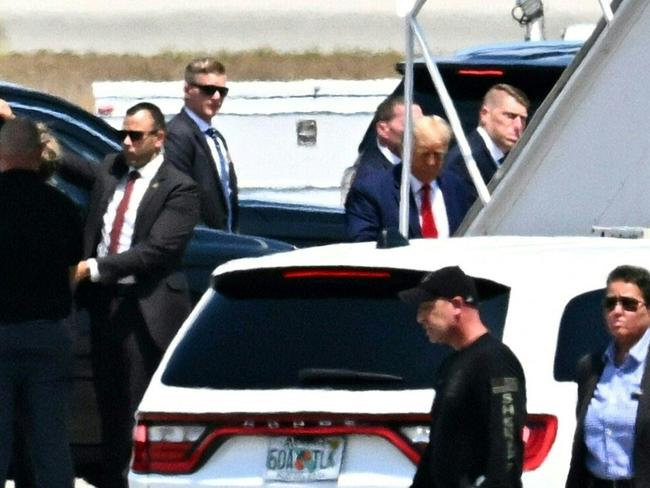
323 376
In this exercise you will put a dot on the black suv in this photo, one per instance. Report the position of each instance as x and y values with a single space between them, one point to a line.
533 67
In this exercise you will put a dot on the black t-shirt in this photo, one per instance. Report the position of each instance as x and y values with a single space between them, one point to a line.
477 420
40 238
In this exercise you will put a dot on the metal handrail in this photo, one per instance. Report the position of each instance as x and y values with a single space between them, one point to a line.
607 10
413 30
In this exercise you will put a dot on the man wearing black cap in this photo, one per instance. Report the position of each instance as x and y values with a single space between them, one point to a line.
479 412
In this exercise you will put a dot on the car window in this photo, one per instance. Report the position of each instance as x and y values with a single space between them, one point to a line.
264 331
74 139
467 86
582 331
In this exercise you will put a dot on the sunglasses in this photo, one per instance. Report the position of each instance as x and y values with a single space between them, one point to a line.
629 304
134 135
210 90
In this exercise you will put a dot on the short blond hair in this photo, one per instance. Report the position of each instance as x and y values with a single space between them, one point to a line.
432 130
514 92
200 66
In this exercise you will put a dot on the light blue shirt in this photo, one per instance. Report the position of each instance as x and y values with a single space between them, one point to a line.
214 150
611 415
221 163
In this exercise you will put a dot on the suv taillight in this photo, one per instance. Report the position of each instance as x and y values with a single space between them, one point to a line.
539 435
170 446
166 448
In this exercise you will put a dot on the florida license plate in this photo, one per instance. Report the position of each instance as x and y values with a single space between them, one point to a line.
301 459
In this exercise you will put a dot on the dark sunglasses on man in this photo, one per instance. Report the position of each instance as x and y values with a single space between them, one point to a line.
629 304
210 90
134 135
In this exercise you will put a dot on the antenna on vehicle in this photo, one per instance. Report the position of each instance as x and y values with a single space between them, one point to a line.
409 9
607 10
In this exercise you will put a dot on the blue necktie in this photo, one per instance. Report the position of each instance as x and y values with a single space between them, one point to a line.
223 173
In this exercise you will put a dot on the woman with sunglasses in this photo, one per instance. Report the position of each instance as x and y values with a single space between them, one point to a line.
611 447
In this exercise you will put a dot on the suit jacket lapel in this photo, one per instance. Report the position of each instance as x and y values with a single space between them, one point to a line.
482 156
641 435
590 385
200 139
451 190
144 215
202 142
414 218
115 170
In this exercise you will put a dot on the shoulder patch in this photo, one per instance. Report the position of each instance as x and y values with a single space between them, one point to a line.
504 385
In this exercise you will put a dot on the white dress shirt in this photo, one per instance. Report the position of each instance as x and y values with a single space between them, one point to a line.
204 126
438 206
140 186
388 154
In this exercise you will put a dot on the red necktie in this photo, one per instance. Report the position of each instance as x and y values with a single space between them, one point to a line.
428 222
118 223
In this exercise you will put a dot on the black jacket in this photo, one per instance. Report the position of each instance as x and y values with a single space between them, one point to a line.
477 420
187 149
589 370
454 162
165 219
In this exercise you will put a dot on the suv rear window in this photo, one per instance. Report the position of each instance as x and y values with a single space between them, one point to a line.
582 331
335 328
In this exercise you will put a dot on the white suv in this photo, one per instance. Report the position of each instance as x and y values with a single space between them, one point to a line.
303 368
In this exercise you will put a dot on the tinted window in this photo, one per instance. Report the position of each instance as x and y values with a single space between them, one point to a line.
582 331
74 136
333 332
467 90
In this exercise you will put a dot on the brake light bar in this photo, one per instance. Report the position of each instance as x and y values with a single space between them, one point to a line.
180 446
481 72
335 273
181 456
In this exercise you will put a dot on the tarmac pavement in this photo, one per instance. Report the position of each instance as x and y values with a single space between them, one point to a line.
285 25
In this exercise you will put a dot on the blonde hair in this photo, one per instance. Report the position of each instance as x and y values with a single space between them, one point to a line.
203 66
490 97
432 130
51 154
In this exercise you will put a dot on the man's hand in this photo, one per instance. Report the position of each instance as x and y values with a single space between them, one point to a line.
5 110
82 272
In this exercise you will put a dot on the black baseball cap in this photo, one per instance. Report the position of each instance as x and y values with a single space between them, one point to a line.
446 282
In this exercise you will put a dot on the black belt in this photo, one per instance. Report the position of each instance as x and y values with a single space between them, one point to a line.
599 483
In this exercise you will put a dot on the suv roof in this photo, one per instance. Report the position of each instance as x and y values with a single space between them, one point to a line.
531 53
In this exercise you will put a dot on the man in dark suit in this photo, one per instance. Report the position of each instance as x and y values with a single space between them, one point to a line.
141 214
384 151
502 119
199 150
435 208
